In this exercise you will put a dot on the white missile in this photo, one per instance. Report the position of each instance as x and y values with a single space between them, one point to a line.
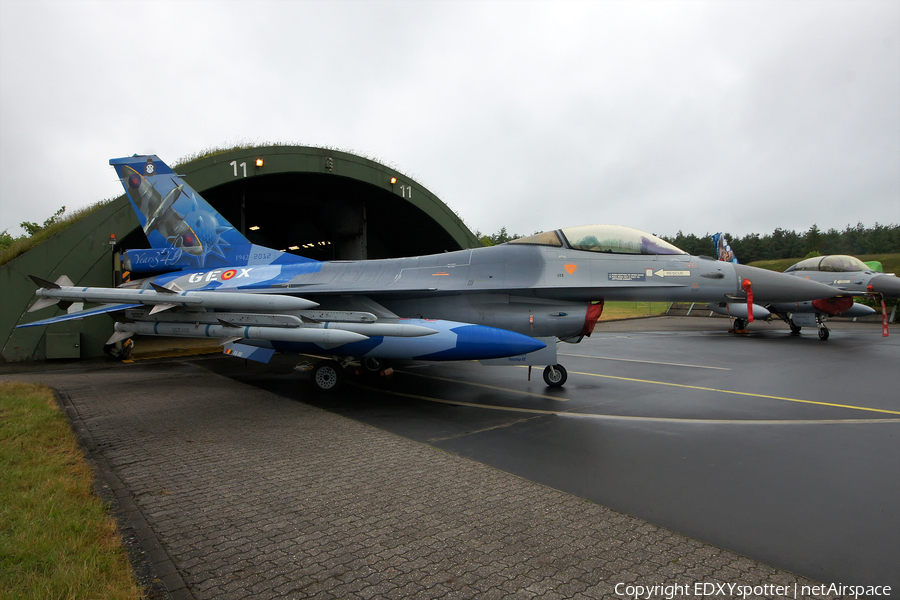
210 300
287 321
237 319
276 334
380 329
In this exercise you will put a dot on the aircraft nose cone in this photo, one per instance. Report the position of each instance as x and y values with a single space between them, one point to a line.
887 285
770 286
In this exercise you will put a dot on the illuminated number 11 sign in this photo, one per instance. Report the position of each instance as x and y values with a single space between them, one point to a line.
243 166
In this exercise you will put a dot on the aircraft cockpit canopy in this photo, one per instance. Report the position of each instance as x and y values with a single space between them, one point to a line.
835 263
613 239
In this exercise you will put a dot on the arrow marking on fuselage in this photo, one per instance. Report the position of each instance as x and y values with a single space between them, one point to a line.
664 273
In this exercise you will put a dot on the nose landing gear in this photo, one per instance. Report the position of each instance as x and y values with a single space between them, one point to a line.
555 375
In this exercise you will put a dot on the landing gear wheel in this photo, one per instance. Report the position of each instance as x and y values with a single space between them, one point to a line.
795 329
327 375
823 333
739 325
555 376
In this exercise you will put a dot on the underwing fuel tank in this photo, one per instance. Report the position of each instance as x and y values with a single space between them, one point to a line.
452 341
447 340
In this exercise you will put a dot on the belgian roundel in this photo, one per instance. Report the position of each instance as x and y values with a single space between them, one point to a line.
228 274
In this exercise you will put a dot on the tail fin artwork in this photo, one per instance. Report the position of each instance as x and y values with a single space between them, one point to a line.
723 249
184 231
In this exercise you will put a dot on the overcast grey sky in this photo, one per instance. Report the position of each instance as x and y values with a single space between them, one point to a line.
665 116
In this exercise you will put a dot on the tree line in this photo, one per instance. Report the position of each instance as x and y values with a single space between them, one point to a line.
783 243
31 228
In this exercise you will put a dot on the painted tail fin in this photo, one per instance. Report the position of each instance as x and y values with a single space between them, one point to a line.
184 231
723 249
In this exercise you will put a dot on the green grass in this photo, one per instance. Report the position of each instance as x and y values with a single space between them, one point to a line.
56 538
631 310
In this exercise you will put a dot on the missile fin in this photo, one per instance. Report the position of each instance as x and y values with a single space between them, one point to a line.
162 290
43 303
158 308
43 283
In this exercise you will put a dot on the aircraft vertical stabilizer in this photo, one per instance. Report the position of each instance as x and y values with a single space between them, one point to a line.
184 231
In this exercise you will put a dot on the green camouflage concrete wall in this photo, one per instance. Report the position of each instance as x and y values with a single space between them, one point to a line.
83 253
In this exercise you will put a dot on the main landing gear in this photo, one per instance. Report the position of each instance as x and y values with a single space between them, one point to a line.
740 326
329 374
824 332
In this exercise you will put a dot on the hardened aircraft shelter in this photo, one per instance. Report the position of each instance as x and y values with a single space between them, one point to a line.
319 203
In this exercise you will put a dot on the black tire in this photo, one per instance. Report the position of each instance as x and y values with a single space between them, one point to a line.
739 325
555 376
795 329
327 375
823 333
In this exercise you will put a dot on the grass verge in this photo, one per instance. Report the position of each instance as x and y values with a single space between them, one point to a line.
630 310
56 537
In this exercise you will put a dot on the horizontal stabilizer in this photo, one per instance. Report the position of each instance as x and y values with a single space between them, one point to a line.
263 355
97 310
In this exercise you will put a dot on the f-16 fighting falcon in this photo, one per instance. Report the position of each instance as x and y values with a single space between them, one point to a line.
849 275
508 304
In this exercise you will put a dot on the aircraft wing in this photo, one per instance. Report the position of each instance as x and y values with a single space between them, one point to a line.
90 312
286 323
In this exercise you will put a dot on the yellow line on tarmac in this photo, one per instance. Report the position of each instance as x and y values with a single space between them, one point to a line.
560 413
649 362
537 411
490 387
706 389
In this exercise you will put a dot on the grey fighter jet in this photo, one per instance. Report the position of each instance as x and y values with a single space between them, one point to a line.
851 277
507 304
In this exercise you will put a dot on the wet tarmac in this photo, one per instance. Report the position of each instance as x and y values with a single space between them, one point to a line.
782 448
